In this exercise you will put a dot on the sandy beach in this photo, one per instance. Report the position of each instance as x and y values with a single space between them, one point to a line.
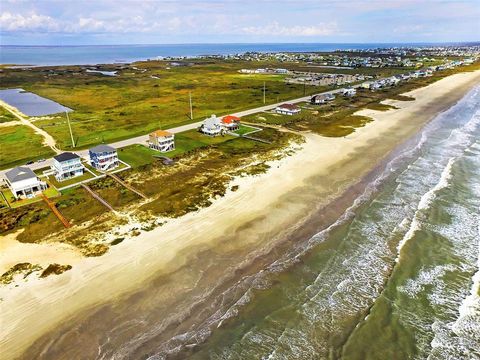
254 219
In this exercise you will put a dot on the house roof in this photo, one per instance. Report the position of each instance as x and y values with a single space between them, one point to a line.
19 173
230 119
66 156
161 133
288 106
211 122
102 149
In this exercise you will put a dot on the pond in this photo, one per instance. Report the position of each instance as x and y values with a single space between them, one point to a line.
31 104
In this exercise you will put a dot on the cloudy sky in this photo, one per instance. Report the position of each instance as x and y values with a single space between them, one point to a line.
62 22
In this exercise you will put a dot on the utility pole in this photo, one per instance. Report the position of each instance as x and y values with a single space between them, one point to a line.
304 87
191 108
264 89
70 128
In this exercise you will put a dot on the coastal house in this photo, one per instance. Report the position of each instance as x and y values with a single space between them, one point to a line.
103 157
67 165
24 183
349 92
321 99
212 126
287 109
161 140
366 85
230 122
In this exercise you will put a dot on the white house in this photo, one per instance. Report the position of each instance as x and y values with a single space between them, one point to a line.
349 92
103 157
24 183
321 99
287 109
67 165
161 140
212 126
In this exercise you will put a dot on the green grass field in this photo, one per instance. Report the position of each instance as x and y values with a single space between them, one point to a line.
6 116
245 129
19 143
114 108
139 155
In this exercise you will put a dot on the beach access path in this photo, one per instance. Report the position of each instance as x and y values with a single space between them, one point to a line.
47 138
142 139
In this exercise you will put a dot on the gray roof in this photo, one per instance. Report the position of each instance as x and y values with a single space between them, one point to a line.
19 173
66 156
212 122
102 148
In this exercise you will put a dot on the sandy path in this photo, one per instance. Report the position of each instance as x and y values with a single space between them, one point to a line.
47 138
28 312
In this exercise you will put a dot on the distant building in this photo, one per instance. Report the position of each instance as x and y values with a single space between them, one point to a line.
103 157
212 126
321 99
349 92
23 182
230 122
366 85
161 140
287 109
67 165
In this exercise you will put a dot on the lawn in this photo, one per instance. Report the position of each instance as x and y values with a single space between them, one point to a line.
14 203
245 129
139 155
75 180
19 143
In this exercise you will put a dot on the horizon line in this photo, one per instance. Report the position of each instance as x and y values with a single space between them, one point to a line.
249 43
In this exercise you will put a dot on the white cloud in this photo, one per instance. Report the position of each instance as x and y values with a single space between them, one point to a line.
31 22
275 28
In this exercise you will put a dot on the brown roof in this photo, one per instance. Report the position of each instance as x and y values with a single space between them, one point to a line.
161 133
288 106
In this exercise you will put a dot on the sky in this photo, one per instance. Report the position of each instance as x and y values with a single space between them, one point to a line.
85 22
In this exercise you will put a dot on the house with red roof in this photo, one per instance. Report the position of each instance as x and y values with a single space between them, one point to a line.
287 109
230 122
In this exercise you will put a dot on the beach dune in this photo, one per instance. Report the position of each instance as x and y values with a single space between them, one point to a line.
264 210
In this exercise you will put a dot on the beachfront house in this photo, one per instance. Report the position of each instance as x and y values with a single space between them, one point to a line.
24 183
67 165
321 99
161 140
231 123
287 109
103 157
212 126
349 92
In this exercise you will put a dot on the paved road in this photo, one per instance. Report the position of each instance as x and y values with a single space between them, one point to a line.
144 138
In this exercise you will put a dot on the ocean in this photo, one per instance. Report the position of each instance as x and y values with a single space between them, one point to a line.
107 54
396 277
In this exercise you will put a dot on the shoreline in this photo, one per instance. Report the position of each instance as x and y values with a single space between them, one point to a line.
279 202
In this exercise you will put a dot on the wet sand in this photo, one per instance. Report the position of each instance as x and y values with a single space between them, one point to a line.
170 280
